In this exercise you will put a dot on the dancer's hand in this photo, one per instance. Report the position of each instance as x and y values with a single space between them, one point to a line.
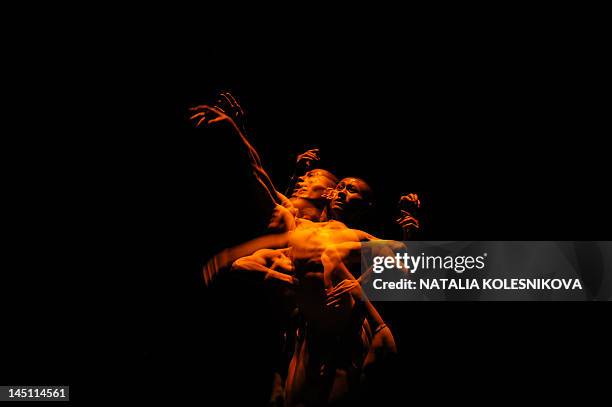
408 222
335 294
228 104
282 263
330 194
285 278
306 159
409 205
410 202
206 115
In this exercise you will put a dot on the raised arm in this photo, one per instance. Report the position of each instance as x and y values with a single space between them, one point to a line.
206 115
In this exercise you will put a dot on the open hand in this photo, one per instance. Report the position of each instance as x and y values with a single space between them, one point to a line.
306 159
207 115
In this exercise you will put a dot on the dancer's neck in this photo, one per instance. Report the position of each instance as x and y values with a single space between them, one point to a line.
309 209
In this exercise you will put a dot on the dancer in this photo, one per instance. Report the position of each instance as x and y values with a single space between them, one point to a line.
343 333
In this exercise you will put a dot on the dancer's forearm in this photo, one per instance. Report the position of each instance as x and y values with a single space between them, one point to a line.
253 267
224 259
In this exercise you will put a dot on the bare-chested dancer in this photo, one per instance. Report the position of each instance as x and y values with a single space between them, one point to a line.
308 200
335 345
328 294
343 336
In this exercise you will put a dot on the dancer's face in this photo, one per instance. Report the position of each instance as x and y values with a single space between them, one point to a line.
313 184
351 195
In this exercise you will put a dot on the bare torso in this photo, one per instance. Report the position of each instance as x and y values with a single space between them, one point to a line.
309 240
334 339
308 243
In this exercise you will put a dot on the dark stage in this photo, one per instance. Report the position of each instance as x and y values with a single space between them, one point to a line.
502 145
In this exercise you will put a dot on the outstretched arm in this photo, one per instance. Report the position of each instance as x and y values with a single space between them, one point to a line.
205 115
228 112
223 260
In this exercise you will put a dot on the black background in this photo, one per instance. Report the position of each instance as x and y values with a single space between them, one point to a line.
495 143
499 131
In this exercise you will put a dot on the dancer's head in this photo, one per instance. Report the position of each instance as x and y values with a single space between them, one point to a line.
309 194
313 184
352 199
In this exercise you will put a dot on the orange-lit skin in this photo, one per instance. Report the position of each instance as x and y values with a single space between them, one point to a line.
314 257
317 257
315 263
207 115
350 200
332 303
307 201
308 158
308 196
407 221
